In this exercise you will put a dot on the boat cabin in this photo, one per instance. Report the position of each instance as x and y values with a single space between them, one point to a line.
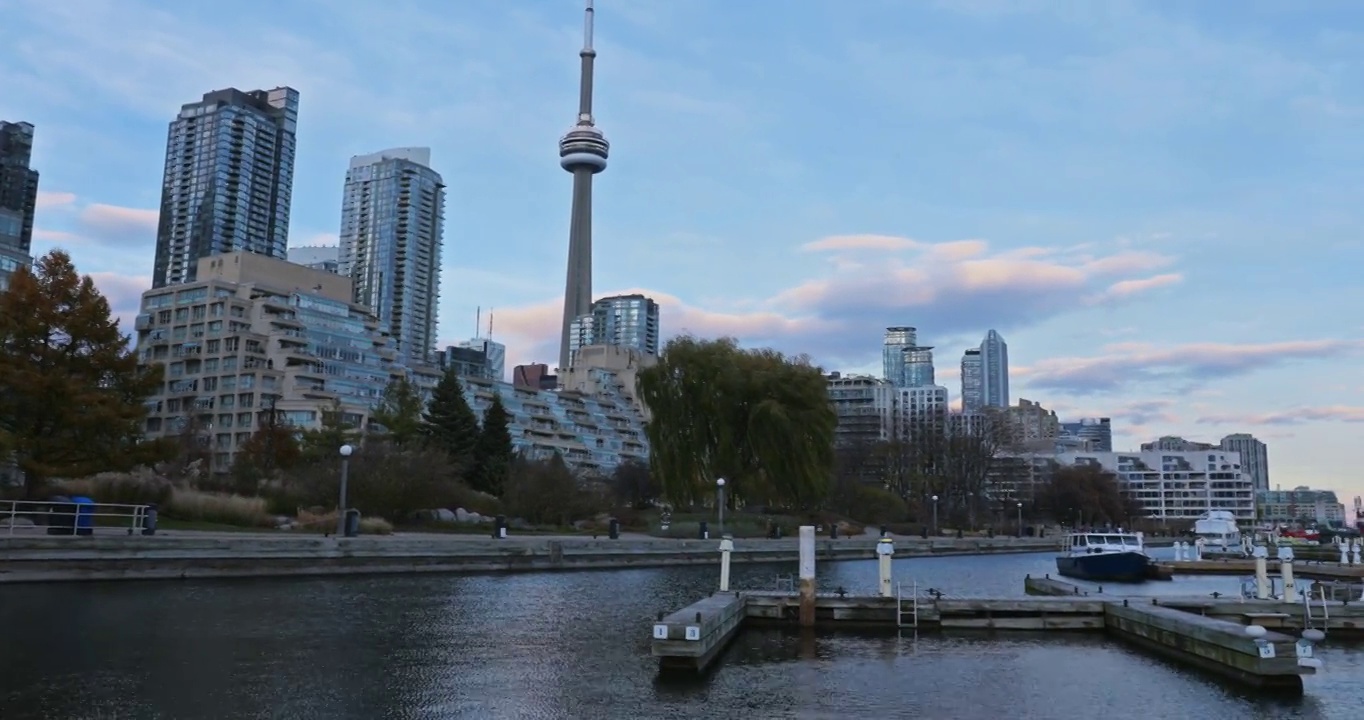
1102 542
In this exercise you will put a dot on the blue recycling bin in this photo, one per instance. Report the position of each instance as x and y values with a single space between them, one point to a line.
85 515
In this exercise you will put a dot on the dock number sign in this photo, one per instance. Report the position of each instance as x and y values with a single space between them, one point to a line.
660 632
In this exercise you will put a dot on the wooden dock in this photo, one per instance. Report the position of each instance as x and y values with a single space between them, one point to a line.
693 637
1305 570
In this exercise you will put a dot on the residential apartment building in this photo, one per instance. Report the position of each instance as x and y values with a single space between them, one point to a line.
610 369
317 257
495 352
1087 435
855 401
1177 485
630 321
392 223
251 336
1254 453
1027 427
466 362
907 411
893 345
228 180
994 370
972 381
18 198
1300 505
593 433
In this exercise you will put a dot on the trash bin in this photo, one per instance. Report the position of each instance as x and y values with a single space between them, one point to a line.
149 520
352 526
613 529
704 531
85 515
500 527
883 530
61 516
833 531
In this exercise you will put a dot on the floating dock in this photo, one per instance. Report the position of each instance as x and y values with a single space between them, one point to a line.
1308 570
1245 642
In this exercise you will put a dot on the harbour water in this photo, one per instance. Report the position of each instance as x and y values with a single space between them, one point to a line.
576 645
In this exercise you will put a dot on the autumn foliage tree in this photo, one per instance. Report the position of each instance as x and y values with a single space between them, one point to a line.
757 418
71 392
1086 495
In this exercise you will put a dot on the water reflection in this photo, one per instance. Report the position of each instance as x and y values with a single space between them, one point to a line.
567 646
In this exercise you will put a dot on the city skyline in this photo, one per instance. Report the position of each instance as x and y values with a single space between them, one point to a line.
1113 240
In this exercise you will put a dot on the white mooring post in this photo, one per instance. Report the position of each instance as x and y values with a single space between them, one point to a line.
1290 591
1344 551
807 575
1198 548
1181 551
1355 550
885 551
726 547
1261 554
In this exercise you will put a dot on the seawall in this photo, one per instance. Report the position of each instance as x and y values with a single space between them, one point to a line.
69 559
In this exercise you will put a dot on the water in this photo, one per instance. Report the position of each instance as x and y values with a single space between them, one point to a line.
573 646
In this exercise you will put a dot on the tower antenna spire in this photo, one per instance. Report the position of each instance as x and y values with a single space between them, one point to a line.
588 54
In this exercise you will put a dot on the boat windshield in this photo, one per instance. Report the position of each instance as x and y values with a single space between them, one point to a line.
1113 540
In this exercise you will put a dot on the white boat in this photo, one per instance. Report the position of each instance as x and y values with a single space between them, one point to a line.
1218 529
1104 556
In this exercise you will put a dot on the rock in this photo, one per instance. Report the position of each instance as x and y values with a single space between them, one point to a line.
443 515
17 522
519 524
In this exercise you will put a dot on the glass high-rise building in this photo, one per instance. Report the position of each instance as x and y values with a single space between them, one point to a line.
917 367
897 340
392 220
626 321
972 380
18 198
994 370
228 180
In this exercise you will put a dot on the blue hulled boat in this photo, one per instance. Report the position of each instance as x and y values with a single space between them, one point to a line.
1104 557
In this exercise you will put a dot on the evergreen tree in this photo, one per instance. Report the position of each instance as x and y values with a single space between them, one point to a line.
494 452
71 392
450 424
400 412
324 443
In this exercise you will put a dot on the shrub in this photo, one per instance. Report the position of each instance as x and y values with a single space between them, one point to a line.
218 508
325 522
139 487
463 496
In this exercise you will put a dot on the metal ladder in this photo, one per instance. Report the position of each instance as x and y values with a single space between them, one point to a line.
907 606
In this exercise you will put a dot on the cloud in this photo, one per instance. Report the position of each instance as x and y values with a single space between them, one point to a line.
48 200
1137 421
1125 288
1295 416
1126 364
884 243
943 288
112 219
124 293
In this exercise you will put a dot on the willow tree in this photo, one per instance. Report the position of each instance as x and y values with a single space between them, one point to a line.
757 418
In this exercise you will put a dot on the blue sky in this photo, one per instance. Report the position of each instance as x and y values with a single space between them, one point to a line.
1156 203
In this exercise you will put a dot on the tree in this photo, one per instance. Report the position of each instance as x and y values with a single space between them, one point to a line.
631 484
400 412
1085 495
758 419
493 454
450 425
72 397
545 492
272 448
324 443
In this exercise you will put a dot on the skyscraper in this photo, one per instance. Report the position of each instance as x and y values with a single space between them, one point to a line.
626 321
916 367
1254 457
228 180
994 367
582 151
971 380
495 352
392 217
893 346
18 198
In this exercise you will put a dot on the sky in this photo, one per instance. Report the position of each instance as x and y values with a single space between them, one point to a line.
1156 203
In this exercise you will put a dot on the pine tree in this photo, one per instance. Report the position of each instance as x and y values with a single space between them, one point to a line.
494 452
71 392
450 424
324 443
400 412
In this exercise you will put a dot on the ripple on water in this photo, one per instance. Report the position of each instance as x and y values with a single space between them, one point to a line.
572 646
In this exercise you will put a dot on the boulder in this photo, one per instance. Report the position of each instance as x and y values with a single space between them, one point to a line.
443 515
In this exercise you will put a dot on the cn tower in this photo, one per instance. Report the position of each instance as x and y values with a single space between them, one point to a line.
582 151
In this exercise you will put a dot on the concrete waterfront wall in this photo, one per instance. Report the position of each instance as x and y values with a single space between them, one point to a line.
185 555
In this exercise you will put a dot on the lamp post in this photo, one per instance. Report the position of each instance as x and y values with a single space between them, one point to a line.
720 504
346 450
971 510
935 515
1020 519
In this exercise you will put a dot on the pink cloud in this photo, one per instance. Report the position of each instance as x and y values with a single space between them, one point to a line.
1127 288
48 200
124 293
951 287
1129 363
1294 416
115 219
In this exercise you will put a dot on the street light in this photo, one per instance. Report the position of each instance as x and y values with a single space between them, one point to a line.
720 495
1020 519
935 514
346 450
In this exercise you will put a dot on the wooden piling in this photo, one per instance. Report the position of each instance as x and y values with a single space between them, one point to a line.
808 587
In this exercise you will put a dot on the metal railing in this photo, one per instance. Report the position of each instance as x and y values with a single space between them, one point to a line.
30 517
